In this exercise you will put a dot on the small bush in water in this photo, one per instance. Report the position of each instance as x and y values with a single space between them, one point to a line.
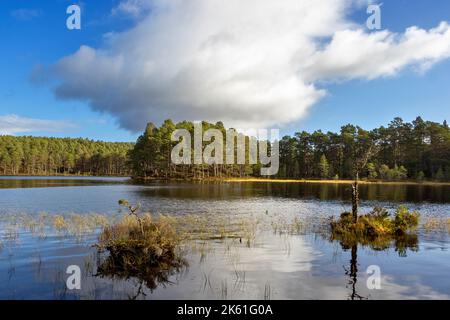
140 246
376 229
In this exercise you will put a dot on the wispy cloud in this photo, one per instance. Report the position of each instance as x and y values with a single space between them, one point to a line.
131 8
25 14
12 124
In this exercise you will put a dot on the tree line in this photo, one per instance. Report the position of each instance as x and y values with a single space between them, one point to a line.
418 150
151 156
55 156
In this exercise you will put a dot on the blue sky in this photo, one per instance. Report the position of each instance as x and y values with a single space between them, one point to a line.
33 32
42 39
407 95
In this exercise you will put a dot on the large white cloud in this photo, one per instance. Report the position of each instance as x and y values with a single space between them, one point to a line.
248 63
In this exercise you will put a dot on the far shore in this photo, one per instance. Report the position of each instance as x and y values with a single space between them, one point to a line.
64 175
249 180
380 182
299 181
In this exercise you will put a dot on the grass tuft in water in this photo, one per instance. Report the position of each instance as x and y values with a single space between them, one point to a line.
377 229
142 247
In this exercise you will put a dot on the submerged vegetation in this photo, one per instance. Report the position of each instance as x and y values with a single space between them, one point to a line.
154 248
151 249
437 224
44 224
161 234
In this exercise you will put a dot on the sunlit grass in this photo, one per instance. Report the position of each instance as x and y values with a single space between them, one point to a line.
43 225
433 224
361 182
159 255
290 227
194 230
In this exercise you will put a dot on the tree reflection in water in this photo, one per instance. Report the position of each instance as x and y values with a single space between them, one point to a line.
149 277
400 244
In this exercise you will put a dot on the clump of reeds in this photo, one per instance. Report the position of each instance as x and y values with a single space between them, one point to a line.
220 228
289 227
140 243
437 224
43 224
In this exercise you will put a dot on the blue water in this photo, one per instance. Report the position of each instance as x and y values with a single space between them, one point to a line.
305 266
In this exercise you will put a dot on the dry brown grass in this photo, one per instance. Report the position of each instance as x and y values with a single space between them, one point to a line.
131 243
143 247
291 227
437 224
44 224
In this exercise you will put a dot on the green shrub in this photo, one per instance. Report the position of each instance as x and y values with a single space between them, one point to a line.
372 171
405 220
376 229
420 176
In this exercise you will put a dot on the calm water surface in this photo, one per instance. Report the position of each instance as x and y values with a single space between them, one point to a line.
303 266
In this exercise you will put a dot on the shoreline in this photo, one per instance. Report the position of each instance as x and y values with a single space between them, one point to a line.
248 180
361 182
63 175
299 181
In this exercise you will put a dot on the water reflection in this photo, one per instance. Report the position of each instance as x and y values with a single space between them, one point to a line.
401 245
100 195
48 182
370 192
298 267
231 190
150 276
278 267
353 274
